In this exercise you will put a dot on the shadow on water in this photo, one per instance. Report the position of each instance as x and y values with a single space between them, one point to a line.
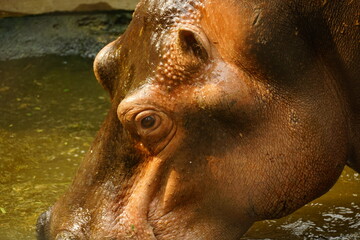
50 109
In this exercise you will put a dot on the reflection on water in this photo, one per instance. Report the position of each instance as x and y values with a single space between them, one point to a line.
50 109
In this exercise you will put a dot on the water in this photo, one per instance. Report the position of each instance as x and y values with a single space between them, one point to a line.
51 108
334 216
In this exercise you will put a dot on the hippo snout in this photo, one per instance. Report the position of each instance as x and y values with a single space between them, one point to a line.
43 228
42 225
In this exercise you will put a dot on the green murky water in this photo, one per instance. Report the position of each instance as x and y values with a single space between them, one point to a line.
50 110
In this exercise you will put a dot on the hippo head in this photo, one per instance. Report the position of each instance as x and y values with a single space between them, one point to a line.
222 114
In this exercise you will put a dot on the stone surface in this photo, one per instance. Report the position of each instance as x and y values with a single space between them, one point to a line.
23 7
61 34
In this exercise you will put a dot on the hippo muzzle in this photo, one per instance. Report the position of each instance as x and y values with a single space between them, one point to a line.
42 225
222 114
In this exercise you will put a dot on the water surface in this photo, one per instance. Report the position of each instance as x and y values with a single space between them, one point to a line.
335 216
50 110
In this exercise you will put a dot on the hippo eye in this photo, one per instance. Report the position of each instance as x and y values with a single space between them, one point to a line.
148 122
149 126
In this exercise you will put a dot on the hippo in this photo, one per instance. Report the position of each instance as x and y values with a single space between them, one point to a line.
223 113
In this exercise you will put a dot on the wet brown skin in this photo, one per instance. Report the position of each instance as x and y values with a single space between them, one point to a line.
223 113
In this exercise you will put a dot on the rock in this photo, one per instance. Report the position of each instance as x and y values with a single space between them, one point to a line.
11 8
61 34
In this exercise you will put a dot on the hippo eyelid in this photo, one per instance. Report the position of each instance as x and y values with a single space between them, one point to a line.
130 114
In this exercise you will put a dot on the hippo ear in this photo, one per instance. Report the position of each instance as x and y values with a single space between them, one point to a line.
105 68
194 43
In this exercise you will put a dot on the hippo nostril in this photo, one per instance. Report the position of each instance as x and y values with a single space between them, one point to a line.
42 225
65 235
148 122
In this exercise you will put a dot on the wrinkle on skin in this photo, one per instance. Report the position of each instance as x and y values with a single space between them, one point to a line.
172 186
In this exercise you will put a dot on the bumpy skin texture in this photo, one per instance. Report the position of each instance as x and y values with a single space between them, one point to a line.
224 112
